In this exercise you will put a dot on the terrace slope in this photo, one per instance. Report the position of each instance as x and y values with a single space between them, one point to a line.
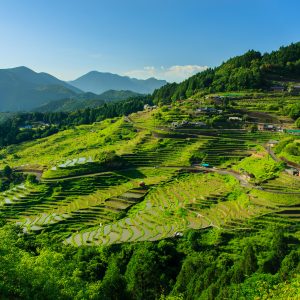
136 178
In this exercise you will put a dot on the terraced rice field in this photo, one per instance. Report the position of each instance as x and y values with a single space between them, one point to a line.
267 104
284 183
115 207
71 201
193 201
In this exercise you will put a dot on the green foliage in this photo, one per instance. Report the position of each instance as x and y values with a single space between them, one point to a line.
297 123
113 285
246 72
193 267
7 171
31 179
289 148
11 131
262 168
249 263
293 111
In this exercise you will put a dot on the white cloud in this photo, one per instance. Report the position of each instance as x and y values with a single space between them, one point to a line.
171 74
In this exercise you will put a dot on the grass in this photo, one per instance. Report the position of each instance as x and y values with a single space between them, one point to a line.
289 148
84 140
111 207
260 165
190 201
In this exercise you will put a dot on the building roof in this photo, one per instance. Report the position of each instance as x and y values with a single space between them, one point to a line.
273 142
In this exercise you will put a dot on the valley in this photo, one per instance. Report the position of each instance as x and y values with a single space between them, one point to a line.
191 192
138 178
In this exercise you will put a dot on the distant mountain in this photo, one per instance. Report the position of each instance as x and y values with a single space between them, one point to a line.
98 83
85 100
22 89
112 95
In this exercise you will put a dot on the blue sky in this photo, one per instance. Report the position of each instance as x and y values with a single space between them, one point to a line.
169 39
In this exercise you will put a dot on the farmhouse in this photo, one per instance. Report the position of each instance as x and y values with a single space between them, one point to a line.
149 107
198 124
218 100
186 123
206 110
235 119
269 127
35 125
272 143
26 127
295 89
278 88
293 171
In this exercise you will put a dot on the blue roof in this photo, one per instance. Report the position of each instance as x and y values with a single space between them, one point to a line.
205 165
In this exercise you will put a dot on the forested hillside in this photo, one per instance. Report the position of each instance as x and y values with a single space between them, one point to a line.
17 128
195 199
85 100
252 70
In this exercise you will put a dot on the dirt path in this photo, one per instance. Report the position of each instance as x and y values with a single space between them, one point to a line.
243 181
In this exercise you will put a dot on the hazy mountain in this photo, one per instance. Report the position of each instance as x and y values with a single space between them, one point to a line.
113 95
98 83
24 89
85 100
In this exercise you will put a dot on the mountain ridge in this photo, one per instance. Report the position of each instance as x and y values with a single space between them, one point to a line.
249 71
85 100
99 82
22 89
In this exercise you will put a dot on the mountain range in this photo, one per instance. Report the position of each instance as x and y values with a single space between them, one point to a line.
98 82
22 89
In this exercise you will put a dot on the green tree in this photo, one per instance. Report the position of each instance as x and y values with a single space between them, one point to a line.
7 171
142 274
113 286
31 178
249 263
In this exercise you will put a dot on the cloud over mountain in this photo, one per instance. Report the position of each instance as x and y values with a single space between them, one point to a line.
174 73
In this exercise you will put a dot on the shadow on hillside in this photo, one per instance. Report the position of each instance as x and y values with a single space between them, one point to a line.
131 173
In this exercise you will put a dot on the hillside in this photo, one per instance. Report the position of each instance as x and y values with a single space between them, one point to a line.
85 100
251 71
174 194
22 89
98 82
198 198
5 116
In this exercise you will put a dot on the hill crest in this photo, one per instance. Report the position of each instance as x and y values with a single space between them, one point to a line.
99 82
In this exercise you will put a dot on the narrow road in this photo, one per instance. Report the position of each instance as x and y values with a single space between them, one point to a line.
281 159
243 181
271 153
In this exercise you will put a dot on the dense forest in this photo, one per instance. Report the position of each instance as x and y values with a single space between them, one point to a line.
14 129
252 71
208 265
85 100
